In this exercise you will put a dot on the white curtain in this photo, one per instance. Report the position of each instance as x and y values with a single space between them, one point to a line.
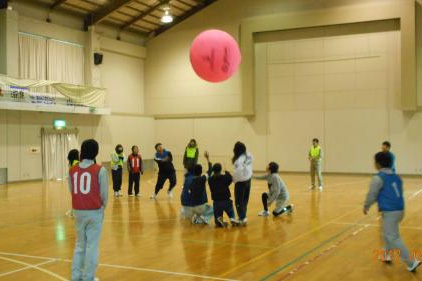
55 147
32 57
65 62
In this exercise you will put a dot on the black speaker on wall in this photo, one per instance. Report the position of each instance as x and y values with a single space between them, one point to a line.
98 58
3 4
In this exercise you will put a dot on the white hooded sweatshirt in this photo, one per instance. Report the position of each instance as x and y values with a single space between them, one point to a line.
243 168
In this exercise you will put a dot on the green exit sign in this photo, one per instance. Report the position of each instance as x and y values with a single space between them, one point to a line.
59 124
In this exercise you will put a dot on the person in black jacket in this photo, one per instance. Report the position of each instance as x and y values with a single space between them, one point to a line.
197 189
219 185
166 170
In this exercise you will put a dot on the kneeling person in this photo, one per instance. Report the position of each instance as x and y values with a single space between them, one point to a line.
277 192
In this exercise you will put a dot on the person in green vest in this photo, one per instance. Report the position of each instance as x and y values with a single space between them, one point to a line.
315 157
73 158
117 160
190 159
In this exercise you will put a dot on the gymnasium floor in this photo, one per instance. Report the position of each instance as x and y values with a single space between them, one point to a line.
326 238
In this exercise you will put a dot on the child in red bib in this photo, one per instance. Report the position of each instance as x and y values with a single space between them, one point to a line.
88 184
134 165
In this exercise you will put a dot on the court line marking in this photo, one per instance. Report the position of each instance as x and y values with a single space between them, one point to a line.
320 255
287 243
36 267
112 266
274 273
25 268
375 225
301 236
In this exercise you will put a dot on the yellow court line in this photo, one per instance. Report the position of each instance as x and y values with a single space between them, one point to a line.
35 267
287 243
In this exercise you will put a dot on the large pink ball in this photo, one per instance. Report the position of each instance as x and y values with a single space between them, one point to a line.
215 55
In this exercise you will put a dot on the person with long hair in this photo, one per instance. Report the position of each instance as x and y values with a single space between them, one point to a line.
242 173
190 158
88 184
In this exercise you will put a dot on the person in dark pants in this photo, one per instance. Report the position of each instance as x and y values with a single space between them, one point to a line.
166 171
220 193
201 211
135 168
242 174
117 159
190 158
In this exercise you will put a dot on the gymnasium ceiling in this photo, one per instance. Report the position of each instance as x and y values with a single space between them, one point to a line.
139 16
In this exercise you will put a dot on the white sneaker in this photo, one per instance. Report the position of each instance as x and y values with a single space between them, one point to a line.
131 195
244 222
320 188
153 196
120 193
194 218
116 194
264 213
415 265
170 193
234 222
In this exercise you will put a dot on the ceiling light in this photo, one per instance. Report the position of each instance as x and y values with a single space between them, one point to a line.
166 18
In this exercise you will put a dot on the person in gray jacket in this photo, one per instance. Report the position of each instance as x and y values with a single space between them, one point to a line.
277 192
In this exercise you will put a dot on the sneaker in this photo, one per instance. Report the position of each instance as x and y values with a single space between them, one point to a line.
385 258
170 194
415 265
320 188
194 219
244 222
289 212
234 222
264 213
221 222
116 194
120 193
202 218
131 195
153 196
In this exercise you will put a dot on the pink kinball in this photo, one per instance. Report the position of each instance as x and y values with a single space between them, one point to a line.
215 55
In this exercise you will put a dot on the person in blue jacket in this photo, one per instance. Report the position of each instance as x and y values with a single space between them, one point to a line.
387 190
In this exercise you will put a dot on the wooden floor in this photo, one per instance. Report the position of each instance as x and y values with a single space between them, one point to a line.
326 238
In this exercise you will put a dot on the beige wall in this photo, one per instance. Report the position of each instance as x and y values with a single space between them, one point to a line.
351 122
121 73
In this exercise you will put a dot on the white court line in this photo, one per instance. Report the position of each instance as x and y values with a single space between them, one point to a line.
25 268
112 266
375 225
415 194
35 267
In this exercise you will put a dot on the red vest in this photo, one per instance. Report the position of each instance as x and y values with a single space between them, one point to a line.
135 163
85 187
